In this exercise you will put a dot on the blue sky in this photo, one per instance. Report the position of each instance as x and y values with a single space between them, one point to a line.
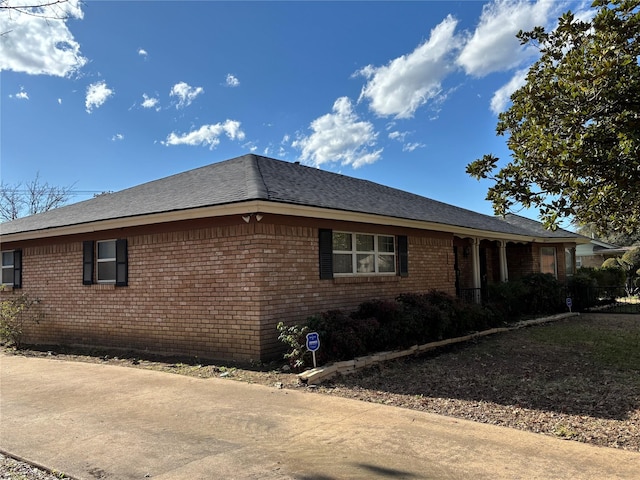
401 93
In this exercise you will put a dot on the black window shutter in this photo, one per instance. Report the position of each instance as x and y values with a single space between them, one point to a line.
403 256
122 263
87 262
326 253
17 269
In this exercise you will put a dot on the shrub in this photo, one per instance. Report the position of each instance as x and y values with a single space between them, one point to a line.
583 290
417 318
295 338
544 294
15 313
508 299
389 316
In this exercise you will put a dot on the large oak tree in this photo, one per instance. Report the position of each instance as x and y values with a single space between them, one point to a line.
574 127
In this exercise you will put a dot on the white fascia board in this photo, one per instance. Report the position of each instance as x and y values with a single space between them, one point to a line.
261 206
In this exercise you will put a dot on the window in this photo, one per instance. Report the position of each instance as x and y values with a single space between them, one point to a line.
346 253
108 260
548 261
12 268
569 259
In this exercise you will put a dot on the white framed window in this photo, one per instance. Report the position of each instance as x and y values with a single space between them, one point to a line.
363 254
548 261
12 268
106 261
7 268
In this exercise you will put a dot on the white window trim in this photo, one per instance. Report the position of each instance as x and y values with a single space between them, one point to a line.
105 260
555 260
8 267
375 252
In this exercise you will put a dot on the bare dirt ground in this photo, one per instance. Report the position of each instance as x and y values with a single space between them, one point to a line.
577 379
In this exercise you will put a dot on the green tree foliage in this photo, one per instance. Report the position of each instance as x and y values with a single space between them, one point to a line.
574 127
630 261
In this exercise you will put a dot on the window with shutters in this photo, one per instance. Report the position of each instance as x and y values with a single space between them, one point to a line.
105 261
12 268
352 254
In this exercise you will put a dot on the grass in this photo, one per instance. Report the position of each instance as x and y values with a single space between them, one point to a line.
612 345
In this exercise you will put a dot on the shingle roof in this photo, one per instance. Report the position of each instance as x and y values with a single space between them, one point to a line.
252 177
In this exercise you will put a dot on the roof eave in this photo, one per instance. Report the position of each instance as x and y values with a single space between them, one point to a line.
268 207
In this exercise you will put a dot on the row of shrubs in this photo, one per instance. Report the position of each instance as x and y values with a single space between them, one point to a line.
590 287
413 319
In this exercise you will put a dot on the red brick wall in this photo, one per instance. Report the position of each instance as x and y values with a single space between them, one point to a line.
214 288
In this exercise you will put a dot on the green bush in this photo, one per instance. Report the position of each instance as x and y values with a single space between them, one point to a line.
544 294
418 318
582 288
15 313
295 338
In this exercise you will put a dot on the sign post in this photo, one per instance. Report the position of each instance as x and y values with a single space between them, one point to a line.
313 344
569 303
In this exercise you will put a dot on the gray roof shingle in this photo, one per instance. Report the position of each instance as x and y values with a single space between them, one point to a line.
252 177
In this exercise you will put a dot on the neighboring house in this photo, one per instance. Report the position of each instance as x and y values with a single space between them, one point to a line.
208 261
595 252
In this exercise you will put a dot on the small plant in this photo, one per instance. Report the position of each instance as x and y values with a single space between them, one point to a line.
295 337
15 313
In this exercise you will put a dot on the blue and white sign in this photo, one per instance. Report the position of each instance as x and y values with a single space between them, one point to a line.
313 341
569 303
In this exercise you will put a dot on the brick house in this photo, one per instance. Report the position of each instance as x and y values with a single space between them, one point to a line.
208 261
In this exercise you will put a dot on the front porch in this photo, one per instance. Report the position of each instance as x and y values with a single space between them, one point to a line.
480 262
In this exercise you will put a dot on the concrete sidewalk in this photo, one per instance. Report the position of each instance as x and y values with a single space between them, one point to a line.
105 422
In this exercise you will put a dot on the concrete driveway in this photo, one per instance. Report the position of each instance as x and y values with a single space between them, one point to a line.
99 421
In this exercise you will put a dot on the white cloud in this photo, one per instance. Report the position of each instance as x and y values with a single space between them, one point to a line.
493 46
40 44
410 147
150 102
232 81
97 94
117 137
21 95
501 97
401 137
142 52
186 93
207 135
339 137
407 82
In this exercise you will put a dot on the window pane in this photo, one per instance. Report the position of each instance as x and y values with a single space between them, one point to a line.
385 244
548 260
386 263
364 243
365 263
7 275
568 256
7 259
342 263
107 249
341 241
107 271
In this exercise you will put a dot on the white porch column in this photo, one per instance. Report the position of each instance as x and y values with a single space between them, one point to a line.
475 264
504 269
